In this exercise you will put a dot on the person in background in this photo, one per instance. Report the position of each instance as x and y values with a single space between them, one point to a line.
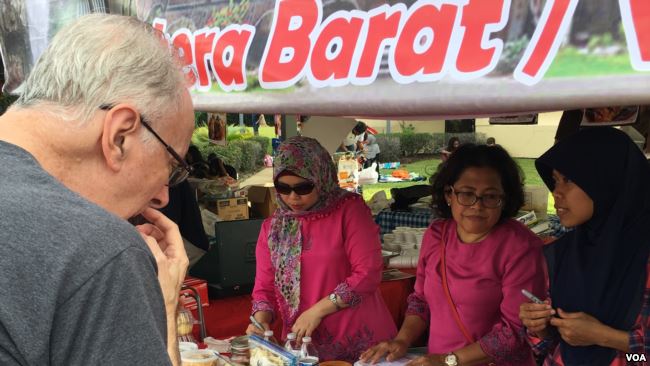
452 145
491 141
599 272
183 210
95 138
354 139
473 265
372 150
319 258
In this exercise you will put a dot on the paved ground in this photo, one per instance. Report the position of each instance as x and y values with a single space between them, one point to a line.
263 178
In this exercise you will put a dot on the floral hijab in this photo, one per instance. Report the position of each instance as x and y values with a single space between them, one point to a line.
304 157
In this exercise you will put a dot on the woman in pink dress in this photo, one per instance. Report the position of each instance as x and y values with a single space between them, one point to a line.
319 258
485 258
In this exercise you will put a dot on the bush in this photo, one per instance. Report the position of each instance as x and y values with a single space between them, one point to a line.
250 151
244 154
200 137
439 142
406 128
265 144
390 147
230 154
465 138
234 137
512 53
416 143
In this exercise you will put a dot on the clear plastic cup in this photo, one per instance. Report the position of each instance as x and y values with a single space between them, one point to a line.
202 357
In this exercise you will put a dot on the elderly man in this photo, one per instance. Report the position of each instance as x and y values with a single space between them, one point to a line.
95 138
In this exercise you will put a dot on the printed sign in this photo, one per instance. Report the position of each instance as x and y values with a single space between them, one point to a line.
378 58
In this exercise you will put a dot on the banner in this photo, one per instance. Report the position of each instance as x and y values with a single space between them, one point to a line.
378 58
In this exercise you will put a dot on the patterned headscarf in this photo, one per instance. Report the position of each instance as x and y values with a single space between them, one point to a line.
306 158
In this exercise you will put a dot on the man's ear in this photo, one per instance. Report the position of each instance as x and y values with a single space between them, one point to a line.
120 127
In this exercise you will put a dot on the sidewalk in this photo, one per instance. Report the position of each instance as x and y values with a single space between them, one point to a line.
261 178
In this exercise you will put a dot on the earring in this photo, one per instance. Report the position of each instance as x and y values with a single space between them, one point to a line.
448 203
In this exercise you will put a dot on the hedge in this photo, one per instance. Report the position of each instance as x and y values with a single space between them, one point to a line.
390 147
264 142
465 138
416 143
230 155
250 151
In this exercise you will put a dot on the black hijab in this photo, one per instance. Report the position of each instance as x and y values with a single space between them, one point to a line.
600 267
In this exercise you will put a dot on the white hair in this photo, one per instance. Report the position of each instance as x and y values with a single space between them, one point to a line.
102 59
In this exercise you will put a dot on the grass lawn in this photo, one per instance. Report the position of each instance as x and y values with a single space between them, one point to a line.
429 166
571 63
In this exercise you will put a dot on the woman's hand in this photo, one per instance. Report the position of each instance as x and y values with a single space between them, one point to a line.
306 323
579 329
537 317
393 350
264 318
252 329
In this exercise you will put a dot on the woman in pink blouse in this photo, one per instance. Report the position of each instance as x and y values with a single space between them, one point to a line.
484 256
319 258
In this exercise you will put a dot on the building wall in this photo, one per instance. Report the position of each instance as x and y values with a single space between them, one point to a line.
522 141
432 126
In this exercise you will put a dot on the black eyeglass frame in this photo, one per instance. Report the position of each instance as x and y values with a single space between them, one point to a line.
476 199
183 165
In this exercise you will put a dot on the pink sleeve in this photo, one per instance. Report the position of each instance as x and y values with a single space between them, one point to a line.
417 303
506 343
264 290
363 249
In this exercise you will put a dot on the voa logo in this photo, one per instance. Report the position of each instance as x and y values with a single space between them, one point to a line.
635 357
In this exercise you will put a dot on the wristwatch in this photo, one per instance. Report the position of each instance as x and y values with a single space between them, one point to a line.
451 359
334 301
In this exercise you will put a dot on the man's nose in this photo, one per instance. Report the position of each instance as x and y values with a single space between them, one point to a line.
161 199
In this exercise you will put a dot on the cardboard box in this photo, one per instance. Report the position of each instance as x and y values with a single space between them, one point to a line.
230 209
262 199
187 298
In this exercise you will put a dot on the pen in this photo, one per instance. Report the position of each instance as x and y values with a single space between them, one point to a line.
532 297
223 359
256 323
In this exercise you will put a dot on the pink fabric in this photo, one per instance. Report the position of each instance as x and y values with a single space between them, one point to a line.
485 281
341 252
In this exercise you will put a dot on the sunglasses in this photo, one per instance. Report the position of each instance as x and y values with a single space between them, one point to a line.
300 189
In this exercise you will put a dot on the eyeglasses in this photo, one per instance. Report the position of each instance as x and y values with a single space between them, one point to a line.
300 189
489 200
179 172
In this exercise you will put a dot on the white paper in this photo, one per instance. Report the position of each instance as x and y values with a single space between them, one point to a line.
401 362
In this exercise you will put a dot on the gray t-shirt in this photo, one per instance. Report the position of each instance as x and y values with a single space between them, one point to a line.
78 285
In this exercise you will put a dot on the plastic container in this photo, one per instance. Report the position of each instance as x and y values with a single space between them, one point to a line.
187 346
267 353
240 350
184 325
308 350
200 357
291 345
268 336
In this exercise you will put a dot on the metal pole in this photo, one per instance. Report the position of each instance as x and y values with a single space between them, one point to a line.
256 126
387 126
